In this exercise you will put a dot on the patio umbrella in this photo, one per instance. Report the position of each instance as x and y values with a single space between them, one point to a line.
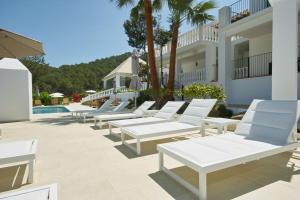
135 83
56 95
90 91
13 45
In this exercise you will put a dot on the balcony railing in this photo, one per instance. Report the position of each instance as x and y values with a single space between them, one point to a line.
255 66
245 8
201 33
191 77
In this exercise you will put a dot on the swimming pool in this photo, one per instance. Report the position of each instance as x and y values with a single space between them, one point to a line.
49 109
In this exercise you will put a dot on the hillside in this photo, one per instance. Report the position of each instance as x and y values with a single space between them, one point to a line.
71 78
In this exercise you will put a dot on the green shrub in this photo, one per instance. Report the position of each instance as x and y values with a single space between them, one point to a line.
203 91
223 111
45 98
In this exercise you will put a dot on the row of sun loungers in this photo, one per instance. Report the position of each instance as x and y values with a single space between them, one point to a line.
267 128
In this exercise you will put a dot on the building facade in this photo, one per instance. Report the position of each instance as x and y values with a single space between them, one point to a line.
238 56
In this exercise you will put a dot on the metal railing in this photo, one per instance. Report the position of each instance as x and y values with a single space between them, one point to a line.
187 78
201 33
254 66
245 8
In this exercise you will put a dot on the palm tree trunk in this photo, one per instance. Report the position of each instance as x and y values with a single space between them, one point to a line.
171 81
161 65
150 44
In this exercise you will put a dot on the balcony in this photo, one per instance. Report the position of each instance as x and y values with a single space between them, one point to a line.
245 8
201 33
191 77
255 66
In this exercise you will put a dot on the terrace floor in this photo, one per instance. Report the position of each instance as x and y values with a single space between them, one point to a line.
88 164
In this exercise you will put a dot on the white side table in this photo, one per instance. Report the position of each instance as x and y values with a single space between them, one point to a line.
220 123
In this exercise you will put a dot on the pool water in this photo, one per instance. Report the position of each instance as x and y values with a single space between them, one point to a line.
49 109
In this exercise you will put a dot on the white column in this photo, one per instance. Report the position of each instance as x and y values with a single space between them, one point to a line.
104 84
285 41
224 52
210 63
118 81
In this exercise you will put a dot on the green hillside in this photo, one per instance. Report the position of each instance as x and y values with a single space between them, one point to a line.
71 78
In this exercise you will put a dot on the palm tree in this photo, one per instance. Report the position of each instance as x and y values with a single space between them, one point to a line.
195 15
147 6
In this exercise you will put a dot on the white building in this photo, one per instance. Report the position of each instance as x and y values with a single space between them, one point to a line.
245 59
119 74
16 91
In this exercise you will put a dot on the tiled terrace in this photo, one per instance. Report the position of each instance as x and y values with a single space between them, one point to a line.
88 164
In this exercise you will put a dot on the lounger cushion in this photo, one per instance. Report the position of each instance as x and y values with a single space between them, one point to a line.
212 151
130 122
197 110
269 121
152 130
168 110
142 108
115 116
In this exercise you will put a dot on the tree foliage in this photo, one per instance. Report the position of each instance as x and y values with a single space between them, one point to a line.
68 79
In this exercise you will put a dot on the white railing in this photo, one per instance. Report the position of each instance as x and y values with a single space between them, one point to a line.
196 76
103 94
201 33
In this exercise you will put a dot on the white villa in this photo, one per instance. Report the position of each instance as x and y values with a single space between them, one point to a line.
237 52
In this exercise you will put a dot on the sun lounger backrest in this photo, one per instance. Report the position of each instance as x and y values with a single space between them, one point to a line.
197 110
121 106
269 121
105 106
169 109
145 106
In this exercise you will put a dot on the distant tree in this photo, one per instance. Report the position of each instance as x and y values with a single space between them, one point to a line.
162 37
68 79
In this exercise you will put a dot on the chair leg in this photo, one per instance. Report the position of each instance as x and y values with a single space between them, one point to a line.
202 186
160 160
123 138
110 129
30 171
138 147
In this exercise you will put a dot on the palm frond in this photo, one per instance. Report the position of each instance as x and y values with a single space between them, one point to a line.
199 13
123 3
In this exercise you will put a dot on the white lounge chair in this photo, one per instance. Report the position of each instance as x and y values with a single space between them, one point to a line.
139 112
14 153
48 192
103 108
165 114
267 128
120 108
190 120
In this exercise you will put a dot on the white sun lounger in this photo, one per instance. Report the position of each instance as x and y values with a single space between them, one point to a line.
266 129
14 153
190 120
48 192
139 112
165 114
120 108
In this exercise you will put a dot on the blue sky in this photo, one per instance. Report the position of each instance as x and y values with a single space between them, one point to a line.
73 31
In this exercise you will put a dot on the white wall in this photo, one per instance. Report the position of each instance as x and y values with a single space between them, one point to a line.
189 64
15 95
260 45
245 90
